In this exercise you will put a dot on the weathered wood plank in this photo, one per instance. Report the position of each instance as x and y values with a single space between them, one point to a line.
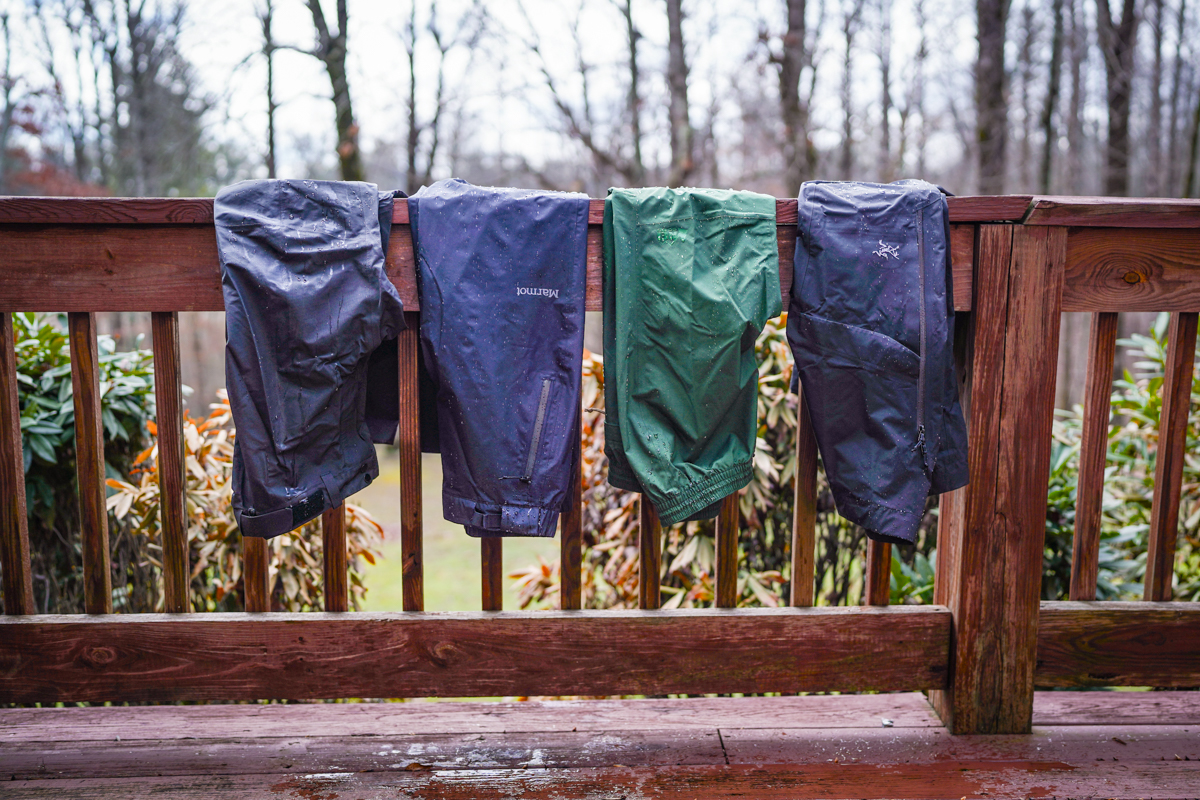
1109 212
491 551
727 554
1116 708
335 574
1130 269
255 574
14 523
804 508
1093 452
299 754
946 778
964 536
570 552
166 657
1118 644
408 443
106 210
1168 464
877 580
208 722
649 555
168 400
89 463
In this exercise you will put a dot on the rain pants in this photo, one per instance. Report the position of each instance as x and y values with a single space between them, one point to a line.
501 276
871 326
690 278
307 307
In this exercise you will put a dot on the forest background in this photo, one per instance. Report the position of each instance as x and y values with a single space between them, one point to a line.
151 98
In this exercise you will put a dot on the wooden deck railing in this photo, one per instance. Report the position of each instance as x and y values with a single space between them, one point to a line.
979 649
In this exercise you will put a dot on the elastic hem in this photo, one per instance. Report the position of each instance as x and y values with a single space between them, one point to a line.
483 519
703 492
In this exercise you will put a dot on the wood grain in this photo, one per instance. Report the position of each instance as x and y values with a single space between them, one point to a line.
168 401
214 656
255 574
1093 453
89 463
408 444
727 554
1116 708
335 574
14 524
1168 463
570 552
804 508
1131 269
877 590
491 551
1108 212
989 208
649 555
1118 644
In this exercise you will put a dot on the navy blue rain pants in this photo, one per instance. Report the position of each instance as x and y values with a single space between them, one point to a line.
310 359
871 326
501 276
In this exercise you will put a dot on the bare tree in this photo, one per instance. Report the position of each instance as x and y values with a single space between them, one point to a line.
794 54
1118 42
991 84
1074 123
1053 82
1176 125
851 17
884 52
7 84
266 17
632 37
1025 69
330 50
682 135
1154 132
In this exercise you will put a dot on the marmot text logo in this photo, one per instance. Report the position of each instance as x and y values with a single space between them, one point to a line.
539 292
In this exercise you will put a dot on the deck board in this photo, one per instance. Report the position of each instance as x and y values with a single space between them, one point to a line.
1103 744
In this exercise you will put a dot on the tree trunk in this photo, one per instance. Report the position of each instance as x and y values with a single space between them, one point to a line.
885 99
411 178
1074 124
1053 81
991 107
1153 180
1025 65
1190 187
798 154
850 22
331 50
1117 42
682 160
638 168
1175 130
266 19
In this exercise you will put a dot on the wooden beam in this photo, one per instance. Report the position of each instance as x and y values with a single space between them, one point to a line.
174 657
89 463
168 400
408 443
336 574
727 554
1168 463
649 555
1109 212
14 523
1118 644
1093 453
1132 269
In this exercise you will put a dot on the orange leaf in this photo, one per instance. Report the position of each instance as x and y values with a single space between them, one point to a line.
152 427
114 484
142 456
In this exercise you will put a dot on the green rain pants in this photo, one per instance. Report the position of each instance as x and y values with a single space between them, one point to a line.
690 278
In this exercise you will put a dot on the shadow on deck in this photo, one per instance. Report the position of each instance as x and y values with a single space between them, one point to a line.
1084 744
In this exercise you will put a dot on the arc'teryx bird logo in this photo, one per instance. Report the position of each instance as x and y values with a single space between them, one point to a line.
533 290
886 251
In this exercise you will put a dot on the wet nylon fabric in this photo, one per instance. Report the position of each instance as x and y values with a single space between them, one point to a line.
501 275
307 304
871 326
690 278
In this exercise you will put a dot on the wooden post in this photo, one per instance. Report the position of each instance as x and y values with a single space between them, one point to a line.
491 551
570 553
256 573
89 463
333 553
409 444
996 530
14 524
168 398
804 511
649 554
727 553
877 583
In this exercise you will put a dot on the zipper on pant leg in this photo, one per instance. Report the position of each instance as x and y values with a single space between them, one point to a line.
537 431
921 363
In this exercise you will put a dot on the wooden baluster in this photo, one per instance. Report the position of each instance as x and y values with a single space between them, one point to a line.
491 551
14 524
1168 467
650 554
409 445
89 459
333 551
727 553
570 554
255 573
168 398
877 588
804 510
1093 452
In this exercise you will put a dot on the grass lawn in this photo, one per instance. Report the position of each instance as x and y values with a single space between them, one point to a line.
452 581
